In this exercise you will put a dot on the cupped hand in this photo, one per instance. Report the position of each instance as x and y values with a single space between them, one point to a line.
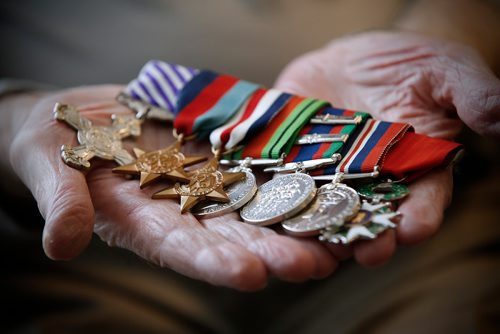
222 251
403 77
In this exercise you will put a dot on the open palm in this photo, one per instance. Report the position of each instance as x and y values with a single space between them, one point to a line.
222 251
403 77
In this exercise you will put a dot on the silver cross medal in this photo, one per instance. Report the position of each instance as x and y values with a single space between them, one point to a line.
96 141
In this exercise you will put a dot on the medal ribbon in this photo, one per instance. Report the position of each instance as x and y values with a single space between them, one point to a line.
207 102
285 136
416 154
239 111
261 108
324 150
159 84
281 132
367 148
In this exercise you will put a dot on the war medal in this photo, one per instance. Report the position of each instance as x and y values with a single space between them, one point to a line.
104 142
168 162
315 146
291 133
334 204
279 199
204 183
206 102
239 193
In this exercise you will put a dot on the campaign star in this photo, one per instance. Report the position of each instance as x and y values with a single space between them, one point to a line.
206 183
168 162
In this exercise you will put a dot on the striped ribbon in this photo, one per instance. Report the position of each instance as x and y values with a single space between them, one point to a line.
268 122
263 106
367 147
159 84
279 135
208 101
324 150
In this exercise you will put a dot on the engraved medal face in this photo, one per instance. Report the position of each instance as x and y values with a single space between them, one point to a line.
239 194
202 182
333 205
205 183
279 199
160 162
168 162
103 140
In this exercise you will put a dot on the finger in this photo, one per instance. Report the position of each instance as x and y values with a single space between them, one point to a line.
474 91
326 263
155 230
376 252
340 252
423 210
61 192
286 258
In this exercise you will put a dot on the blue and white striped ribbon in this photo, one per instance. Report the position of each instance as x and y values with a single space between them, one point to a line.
159 84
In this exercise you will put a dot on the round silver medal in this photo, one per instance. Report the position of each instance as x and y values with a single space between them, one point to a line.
279 199
239 194
333 205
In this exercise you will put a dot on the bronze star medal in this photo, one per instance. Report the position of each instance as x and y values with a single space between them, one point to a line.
167 162
206 183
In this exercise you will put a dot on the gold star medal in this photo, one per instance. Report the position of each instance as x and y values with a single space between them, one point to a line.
206 183
168 162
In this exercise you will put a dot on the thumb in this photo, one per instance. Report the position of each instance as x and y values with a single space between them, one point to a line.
61 192
475 93
67 208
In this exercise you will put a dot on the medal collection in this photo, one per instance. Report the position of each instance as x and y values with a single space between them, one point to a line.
313 149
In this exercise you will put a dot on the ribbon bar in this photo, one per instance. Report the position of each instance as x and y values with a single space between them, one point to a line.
336 119
317 138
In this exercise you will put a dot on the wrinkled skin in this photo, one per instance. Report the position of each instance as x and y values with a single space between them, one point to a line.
402 77
222 251
396 77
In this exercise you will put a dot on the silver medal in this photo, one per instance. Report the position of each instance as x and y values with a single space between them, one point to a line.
279 199
333 205
239 194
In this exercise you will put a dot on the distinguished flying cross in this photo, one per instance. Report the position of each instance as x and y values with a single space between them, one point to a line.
96 141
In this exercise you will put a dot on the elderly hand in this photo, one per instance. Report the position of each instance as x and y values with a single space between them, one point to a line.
222 251
403 77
